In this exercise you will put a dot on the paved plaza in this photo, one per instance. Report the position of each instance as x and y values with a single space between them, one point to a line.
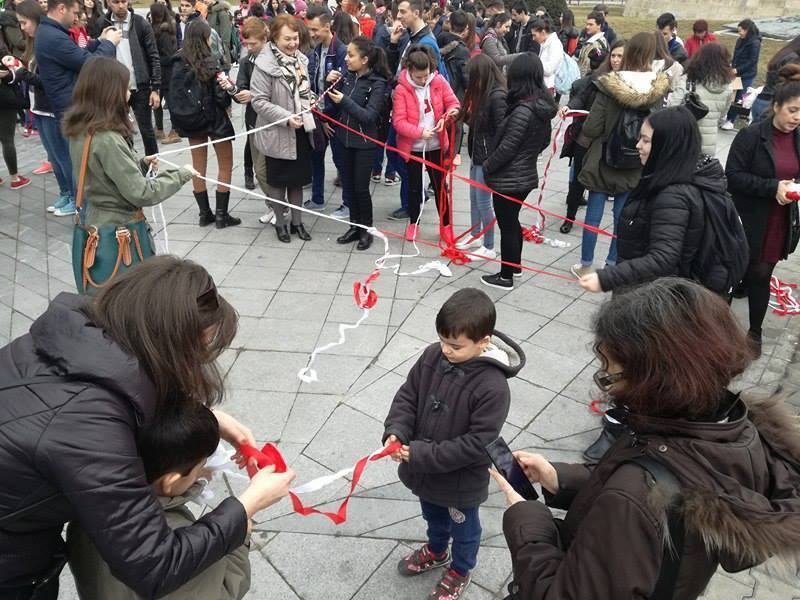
291 298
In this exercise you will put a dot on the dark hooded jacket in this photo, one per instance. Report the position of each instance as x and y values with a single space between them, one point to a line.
68 453
481 135
447 414
660 231
510 167
738 490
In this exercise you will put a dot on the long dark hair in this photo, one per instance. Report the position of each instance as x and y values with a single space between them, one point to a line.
31 10
675 149
161 312
375 56
484 76
662 50
605 66
749 26
793 46
679 346
196 51
162 18
567 20
640 52
710 65
100 100
526 80
343 27
498 19
94 18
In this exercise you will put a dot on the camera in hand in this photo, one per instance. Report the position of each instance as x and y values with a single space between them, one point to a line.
509 468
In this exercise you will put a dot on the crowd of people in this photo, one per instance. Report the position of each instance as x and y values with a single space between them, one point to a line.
433 83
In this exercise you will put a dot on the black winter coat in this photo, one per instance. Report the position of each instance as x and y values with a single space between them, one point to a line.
167 45
362 109
745 56
213 101
41 102
525 131
659 234
447 414
68 453
481 136
144 52
456 56
528 44
246 65
753 184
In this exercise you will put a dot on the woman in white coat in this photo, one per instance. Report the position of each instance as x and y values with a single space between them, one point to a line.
709 74
551 51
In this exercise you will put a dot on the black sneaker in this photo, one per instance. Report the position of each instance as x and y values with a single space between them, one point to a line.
498 281
249 183
421 561
401 214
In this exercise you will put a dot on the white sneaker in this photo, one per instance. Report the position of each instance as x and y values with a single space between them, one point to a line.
267 218
579 270
483 252
468 243
341 213
726 126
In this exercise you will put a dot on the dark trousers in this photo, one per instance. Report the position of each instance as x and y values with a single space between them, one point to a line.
463 525
8 124
416 189
507 213
757 280
318 173
576 189
355 170
392 158
248 156
140 103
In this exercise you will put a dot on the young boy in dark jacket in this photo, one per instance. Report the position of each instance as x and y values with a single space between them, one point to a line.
174 451
452 405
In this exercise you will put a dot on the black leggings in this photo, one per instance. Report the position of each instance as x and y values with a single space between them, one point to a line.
757 281
415 191
507 213
576 189
8 125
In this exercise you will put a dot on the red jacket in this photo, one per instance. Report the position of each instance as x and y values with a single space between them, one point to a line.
405 111
693 43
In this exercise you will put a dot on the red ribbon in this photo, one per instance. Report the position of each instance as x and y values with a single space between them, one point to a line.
787 304
270 455
364 295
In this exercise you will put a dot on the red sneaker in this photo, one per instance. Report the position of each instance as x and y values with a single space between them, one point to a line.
43 169
411 232
451 586
20 183
420 561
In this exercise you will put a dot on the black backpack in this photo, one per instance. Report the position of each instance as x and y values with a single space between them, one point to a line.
186 100
722 257
620 152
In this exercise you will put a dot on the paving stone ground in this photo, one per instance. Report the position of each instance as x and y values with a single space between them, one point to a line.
292 297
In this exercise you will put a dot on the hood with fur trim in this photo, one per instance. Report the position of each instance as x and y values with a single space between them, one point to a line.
739 479
635 89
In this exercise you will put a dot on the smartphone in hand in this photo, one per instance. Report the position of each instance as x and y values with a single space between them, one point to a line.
504 461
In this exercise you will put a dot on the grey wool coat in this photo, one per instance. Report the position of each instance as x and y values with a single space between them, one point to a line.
273 101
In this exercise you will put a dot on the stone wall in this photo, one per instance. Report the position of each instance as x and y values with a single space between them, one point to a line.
720 9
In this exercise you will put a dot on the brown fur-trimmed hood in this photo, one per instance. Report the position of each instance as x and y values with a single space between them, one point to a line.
740 480
634 89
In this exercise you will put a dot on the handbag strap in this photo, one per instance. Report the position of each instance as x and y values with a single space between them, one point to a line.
87 145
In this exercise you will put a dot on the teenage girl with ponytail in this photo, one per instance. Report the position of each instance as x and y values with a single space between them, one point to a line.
423 101
763 163
361 100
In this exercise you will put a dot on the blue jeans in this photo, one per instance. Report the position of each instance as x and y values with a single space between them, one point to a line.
57 148
318 170
595 208
480 205
392 158
443 523
400 168
758 108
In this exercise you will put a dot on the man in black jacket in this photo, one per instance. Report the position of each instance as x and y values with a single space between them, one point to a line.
519 38
139 52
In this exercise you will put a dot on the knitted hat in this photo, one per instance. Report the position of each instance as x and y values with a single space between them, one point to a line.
300 6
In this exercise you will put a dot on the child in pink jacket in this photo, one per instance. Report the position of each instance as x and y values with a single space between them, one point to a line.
423 101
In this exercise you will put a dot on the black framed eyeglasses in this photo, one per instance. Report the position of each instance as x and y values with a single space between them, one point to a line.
605 380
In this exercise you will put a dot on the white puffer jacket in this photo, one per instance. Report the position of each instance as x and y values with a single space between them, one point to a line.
718 98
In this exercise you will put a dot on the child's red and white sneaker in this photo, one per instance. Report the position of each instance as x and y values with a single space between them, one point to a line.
43 169
422 561
451 586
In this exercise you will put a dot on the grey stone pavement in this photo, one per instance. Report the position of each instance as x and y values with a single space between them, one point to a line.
292 297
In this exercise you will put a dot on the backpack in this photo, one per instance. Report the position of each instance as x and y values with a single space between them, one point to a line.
567 73
619 151
722 257
236 44
185 99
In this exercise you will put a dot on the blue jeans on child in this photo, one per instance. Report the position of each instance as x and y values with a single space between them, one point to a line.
480 204
392 158
57 149
463 525
596 204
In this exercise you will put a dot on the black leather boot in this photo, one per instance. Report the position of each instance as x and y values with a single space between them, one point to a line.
349 236
206 216
364 239
283 233
610 433
223 219
301 232
566 227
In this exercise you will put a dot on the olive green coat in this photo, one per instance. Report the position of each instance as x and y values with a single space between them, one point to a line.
616 92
